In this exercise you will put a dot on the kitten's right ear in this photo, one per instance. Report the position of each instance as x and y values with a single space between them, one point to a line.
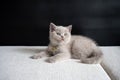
70 28
52 27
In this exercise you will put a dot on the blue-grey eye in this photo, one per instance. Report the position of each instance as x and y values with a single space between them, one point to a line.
58 33
65 34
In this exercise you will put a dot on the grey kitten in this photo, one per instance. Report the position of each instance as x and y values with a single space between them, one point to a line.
64 46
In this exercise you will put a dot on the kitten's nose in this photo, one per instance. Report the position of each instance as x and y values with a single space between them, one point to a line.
62 37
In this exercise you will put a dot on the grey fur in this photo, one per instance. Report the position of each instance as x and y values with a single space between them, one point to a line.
64 46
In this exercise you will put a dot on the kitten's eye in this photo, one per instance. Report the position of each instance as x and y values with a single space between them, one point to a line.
65 34
58 33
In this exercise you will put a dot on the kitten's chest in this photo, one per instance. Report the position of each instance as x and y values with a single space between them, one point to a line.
53 50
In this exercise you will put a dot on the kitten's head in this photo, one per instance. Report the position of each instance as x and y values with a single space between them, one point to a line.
60 35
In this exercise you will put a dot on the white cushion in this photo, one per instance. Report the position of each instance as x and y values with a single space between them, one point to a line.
111 61
15 64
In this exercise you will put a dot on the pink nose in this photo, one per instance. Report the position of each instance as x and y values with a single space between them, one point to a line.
62 37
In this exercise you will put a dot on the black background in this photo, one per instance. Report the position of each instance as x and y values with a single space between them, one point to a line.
26 22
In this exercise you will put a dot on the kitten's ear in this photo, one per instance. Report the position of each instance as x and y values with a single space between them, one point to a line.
52 27
70 28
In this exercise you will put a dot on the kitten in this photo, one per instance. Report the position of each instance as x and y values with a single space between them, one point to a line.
64 46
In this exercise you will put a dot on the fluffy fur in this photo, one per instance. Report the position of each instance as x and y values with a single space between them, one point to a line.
63 46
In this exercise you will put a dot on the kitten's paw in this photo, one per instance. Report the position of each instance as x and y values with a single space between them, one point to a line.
51 60
35 57
39 55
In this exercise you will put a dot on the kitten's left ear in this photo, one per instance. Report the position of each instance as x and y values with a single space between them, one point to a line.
70 28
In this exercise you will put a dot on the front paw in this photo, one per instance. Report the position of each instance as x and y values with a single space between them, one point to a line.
51 60
35 57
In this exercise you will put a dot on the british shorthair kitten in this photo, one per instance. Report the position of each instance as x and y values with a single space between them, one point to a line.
63 46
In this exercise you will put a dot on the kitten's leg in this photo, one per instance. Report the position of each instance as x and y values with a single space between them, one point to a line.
58 57
40 55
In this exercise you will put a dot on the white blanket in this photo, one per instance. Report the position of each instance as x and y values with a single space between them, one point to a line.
15 64
111 61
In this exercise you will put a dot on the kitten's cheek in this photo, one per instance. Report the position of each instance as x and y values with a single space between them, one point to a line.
55 38
58 39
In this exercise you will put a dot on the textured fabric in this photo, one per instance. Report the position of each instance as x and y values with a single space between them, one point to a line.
111 61
15 64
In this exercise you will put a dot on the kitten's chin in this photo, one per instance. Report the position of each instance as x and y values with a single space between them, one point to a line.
63 42
56 42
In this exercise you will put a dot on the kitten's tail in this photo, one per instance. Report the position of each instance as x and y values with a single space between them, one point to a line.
94 58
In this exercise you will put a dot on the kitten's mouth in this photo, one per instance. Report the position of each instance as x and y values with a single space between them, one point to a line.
62 39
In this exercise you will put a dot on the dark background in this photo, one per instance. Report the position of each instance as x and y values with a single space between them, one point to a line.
26 22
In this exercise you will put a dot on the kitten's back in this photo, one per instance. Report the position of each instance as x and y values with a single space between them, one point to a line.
85 48
82 38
